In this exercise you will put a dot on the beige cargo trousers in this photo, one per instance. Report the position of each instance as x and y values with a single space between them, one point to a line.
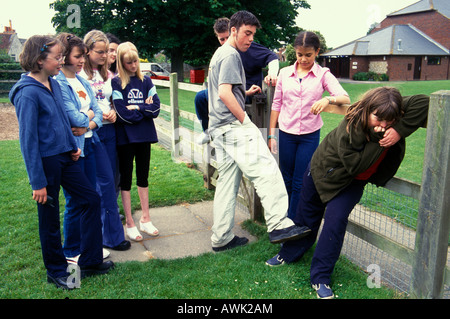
241 149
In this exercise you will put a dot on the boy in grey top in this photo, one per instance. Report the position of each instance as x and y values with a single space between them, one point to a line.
240 147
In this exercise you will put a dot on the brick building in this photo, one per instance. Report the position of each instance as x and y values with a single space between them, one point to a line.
409 44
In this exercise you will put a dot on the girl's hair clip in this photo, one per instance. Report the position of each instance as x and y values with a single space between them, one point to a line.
44 47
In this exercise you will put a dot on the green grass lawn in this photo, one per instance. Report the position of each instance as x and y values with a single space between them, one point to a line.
237 274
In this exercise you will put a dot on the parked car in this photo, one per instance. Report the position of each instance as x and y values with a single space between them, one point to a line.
155 76
154 67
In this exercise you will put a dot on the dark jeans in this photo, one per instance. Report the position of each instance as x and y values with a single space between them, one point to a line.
201 108
295 154
60 170
72 213
309 213
107 185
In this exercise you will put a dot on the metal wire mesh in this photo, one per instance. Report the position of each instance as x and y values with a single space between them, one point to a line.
394 216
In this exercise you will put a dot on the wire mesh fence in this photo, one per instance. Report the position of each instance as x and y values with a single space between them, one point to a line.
394 216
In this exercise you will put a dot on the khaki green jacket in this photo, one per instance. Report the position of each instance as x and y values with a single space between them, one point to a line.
343 155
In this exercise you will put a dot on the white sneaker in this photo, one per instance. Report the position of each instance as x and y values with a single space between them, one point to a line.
106 253
202 139
73 260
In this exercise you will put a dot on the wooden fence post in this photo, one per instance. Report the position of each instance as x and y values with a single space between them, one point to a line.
429 265
174 115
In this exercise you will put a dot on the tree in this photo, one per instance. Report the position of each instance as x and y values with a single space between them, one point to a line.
183 29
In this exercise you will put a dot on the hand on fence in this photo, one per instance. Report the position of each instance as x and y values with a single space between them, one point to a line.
253 90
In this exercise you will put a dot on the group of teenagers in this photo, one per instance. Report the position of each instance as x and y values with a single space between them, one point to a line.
313 180
85 114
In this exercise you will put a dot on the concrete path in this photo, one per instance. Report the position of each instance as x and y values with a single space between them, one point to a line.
184 230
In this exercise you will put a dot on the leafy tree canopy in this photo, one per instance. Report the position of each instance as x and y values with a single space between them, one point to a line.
183 29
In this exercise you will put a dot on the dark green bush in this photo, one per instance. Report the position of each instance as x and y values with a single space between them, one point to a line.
370 76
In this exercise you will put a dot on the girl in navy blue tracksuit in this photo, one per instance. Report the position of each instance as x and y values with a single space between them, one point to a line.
137 104
50 153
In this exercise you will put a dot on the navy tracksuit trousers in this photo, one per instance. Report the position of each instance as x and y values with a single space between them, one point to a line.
61 170
310 212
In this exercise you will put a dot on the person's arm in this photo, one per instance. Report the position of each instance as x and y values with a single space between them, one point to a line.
76 118
274 116
253 90
338 95
228 98
273 145
272 74
96 120
124 115
27 111
415 116
322 104
151 107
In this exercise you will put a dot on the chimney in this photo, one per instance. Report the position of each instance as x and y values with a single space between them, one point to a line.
9 29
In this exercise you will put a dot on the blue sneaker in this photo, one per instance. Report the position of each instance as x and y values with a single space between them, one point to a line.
275 261
323 291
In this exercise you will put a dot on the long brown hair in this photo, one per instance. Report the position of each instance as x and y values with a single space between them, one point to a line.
90 39
384 102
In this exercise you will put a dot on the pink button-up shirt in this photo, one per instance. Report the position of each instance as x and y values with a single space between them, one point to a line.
293 99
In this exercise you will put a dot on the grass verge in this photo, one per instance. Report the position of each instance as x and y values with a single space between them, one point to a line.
236 274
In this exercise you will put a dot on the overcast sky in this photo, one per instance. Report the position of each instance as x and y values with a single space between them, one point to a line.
339 21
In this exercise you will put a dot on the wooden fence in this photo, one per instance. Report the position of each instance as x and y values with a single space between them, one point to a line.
9 83
428 259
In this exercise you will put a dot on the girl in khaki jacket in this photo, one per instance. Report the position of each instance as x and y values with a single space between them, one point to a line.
367 146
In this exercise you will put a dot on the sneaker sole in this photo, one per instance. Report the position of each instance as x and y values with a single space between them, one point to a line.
240 242
279 265
293 237
329 297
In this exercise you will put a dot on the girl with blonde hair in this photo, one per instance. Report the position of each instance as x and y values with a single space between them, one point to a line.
137 104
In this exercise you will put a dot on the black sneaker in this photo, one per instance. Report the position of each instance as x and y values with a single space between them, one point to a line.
125 245
60 282
294 232
99 269
323 291
235 242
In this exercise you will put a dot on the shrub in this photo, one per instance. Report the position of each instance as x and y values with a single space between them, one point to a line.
370 76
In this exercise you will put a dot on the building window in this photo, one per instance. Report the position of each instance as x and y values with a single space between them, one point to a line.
434 60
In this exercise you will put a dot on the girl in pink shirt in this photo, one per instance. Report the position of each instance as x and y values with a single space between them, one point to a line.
296 109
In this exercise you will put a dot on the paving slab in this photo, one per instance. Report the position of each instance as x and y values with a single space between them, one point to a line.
184 230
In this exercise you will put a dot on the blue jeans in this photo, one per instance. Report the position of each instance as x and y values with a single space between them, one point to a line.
309 213
201 108
60 170
295 154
